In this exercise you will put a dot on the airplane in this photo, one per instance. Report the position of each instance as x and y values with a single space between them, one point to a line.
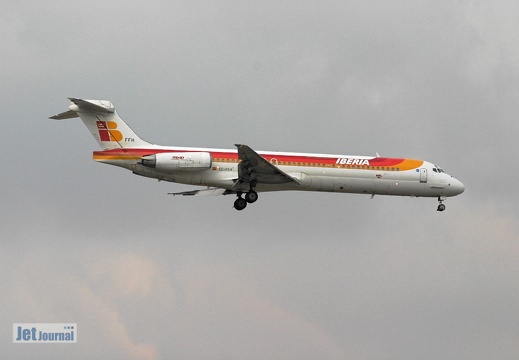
245 172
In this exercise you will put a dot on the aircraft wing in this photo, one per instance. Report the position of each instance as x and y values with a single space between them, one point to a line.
255 168
211 191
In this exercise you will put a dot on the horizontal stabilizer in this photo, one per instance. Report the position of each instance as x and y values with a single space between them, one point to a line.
94 106
65 115
103 122
88 106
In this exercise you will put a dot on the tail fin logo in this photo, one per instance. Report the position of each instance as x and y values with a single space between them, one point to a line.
107 131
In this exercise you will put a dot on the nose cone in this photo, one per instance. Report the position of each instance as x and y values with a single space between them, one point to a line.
456 187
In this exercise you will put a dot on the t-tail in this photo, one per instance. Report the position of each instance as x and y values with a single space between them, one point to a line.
104 123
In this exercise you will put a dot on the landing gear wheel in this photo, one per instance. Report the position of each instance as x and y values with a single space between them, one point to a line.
441 199
240 203
251 196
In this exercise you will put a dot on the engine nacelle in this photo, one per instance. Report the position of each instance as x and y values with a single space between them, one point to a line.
178 161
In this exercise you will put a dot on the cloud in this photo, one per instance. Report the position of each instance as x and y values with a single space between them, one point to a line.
91 293
297 275
233 317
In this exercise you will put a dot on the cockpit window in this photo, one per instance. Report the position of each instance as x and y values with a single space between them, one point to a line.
437 169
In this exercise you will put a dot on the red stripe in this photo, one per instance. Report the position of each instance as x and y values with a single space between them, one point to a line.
376 161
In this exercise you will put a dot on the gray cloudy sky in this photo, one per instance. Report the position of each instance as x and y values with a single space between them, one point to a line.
297 275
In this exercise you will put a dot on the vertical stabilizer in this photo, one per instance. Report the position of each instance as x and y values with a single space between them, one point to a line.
104 123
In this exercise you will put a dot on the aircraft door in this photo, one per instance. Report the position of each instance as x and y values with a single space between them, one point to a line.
423 175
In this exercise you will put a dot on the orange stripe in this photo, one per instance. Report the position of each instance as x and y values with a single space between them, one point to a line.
115 157
410 164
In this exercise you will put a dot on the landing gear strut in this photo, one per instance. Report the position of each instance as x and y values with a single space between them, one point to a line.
441 206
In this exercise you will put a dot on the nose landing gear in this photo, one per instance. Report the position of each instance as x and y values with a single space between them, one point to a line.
441 206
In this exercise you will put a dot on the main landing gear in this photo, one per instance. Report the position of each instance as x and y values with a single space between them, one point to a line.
441 206
250 197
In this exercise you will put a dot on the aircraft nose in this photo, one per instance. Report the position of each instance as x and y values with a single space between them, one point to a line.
456 186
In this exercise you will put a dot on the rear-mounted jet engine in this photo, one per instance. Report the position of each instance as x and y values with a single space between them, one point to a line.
178 161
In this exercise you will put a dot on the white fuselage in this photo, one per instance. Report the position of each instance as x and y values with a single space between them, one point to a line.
244 171
315 172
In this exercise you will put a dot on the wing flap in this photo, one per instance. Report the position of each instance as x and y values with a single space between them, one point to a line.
203 192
